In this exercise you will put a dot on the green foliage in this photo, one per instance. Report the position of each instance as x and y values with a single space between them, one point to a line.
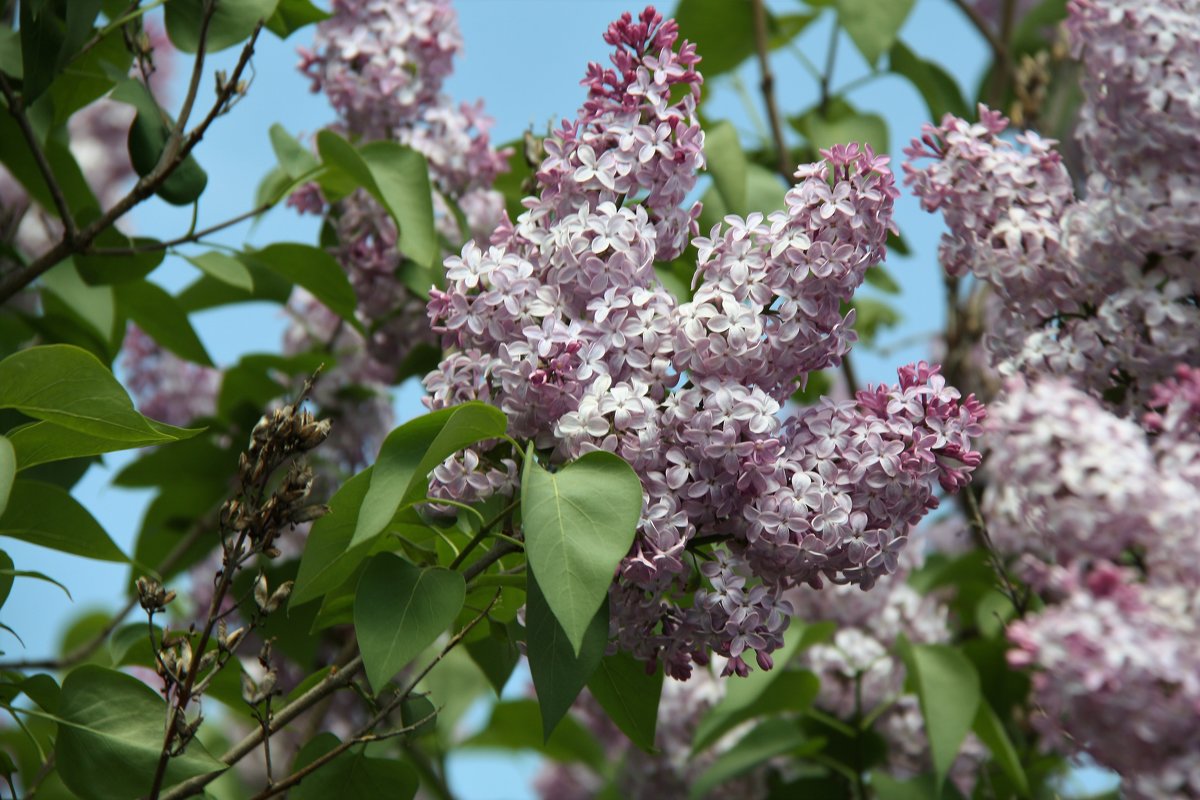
726 162
514 725
352 775
48 516
559 669
873 26
629 694
723 31
399 610
496 655
578 522
838 122
230 24
110 732
937 87
315 270
72 389
775 737
292 15
148 138
224 268
396 176
158 314
758 691
8 472
947 686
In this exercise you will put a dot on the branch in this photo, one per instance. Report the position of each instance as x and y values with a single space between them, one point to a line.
147 185
767 85
977 522
999 49
190 238
498 552
16 108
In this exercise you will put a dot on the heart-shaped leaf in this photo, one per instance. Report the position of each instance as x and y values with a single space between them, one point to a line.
579 523
399 609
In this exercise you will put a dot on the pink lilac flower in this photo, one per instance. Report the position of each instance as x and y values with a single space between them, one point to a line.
562 323
165 387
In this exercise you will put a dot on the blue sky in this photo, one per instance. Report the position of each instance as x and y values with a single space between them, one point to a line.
524 58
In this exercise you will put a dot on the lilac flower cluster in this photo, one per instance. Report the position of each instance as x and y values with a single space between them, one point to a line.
166 387
1105 288
1116 676
562 323
1095 440
382 65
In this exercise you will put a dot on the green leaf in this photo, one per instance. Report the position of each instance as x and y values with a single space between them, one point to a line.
879 278
402 179
8 472
208 292
840 123
790 692
7 577
722 30
70 387
496 655
872 316
727 163
948 687
401 471
51 33
159 314
629 695
399 610
514 726
44 442
772 738
315 270
148 138
559 670
743 696
10 52
11 573
231 23
937 87
292 155
398 177
94 306
579 523
110 735
292 15
47 515
990 731
872 25
224 268
352 775
922 787
102 270
326 565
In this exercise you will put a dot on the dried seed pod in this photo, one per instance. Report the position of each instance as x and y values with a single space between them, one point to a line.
261 592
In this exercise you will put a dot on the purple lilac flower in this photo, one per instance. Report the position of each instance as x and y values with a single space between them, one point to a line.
562 323
165 387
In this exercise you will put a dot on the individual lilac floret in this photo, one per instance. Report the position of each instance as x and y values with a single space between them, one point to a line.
1115 656
563 324
165 387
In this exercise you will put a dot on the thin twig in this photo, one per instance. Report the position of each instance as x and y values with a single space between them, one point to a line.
366 732
85 649
999 48
498 552
484 531
152 247
767 86
976 520
16 107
